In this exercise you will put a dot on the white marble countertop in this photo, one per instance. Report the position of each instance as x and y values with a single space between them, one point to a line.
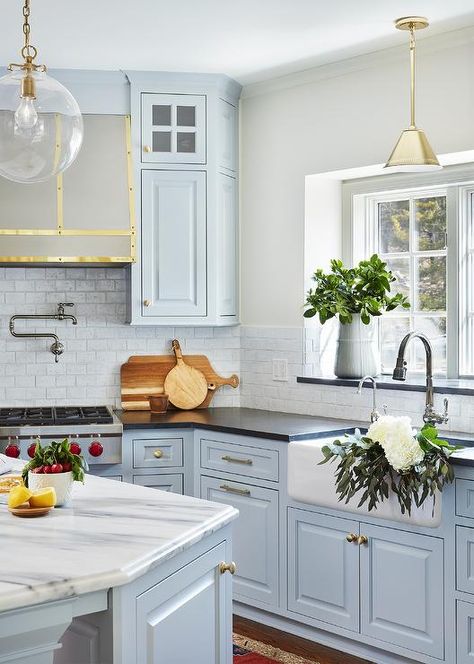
112 533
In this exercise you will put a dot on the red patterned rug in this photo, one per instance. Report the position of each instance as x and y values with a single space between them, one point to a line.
248 651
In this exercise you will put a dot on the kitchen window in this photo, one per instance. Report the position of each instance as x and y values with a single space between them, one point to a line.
425 234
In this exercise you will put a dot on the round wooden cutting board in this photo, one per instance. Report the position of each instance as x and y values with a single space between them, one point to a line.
185 385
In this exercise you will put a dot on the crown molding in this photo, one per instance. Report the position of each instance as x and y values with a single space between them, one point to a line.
348 65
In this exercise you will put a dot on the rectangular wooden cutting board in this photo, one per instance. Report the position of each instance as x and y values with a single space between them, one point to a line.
144 375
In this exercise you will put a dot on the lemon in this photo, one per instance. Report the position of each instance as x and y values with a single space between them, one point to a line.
18 495
44 497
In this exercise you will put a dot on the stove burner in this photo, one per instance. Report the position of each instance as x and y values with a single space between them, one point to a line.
39 416
29 416
82 415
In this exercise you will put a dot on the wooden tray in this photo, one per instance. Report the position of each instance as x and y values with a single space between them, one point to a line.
144 375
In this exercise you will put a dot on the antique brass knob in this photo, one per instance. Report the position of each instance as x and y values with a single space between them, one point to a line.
228 567
158 454
362 539
351 537
147 148
146 303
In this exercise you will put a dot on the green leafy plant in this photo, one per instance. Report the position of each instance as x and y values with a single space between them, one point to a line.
55 458
363 466
343 292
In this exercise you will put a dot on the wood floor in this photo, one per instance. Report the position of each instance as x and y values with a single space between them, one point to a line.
293 644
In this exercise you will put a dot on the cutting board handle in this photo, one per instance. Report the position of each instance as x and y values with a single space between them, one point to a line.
177 351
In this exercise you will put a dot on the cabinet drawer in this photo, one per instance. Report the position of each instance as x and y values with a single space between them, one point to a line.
465 559
158 453
239 459
465 498
465 633
172 483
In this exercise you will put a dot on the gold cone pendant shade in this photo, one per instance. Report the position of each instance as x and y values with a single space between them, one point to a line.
412 151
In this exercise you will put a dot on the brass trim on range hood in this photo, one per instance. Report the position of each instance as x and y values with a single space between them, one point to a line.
61 231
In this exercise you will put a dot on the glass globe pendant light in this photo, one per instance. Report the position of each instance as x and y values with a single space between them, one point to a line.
41 125
412 153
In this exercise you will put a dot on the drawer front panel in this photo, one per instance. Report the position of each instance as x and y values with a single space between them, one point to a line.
465 559
255 537
172 483
158 453
465 633
239 459
465 498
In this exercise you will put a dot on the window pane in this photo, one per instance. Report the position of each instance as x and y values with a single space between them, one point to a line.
161 115
394 226
431 283
401 271
435 330
392 331
186 142
161 141
186 116
430 223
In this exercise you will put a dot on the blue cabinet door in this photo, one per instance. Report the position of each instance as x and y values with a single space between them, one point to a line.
402 580
255 541
323 568
174 253
465 633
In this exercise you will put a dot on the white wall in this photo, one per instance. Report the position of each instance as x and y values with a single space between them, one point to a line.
338 116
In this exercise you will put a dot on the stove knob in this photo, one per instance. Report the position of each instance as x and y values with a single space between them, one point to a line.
95 448
32 449
75 448
12 450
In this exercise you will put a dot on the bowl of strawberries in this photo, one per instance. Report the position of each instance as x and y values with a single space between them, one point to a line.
55 465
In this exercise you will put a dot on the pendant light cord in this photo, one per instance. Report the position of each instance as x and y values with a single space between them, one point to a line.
412 76
28 51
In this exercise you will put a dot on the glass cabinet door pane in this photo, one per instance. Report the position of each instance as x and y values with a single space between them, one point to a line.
161 141
430 223
161 115
394 225
186 116
431 280
185 141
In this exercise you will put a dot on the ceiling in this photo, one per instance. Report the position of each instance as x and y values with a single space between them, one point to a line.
250 40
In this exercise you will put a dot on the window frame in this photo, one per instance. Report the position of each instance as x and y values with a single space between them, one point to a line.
359 241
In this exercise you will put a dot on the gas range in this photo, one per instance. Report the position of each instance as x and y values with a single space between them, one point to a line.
96 429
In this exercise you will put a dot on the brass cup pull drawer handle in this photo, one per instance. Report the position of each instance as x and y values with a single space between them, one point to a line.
228 567
158 454
234 489
247 462
351 537
362 539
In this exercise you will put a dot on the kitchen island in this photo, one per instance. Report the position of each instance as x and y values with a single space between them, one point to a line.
126 574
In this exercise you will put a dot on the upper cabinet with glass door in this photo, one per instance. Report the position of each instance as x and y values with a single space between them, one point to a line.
173 128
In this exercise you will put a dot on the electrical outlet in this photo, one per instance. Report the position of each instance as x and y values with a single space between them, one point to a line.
280 370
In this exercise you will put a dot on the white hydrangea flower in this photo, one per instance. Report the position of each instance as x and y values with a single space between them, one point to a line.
396 436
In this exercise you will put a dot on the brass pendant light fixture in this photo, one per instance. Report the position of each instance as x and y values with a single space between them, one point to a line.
412 153
41 125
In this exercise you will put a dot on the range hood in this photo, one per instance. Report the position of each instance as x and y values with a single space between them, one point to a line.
84 216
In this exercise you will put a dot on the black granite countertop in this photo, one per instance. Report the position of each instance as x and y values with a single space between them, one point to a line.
245 421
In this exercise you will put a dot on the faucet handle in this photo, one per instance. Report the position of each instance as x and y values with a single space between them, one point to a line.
446 408
65 304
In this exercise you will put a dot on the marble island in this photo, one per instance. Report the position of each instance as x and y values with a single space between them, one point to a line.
106 558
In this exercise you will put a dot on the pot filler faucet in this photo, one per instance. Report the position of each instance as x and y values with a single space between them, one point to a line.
57 347
400 373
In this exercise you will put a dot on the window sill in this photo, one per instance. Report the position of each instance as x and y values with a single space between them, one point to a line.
463 386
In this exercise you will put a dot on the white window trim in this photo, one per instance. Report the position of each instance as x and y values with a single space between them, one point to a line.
359 239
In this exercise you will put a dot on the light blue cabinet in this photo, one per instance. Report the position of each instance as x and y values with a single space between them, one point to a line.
196 596
174 243
172 482
323 568
185 147
465 632
402 596
256 538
